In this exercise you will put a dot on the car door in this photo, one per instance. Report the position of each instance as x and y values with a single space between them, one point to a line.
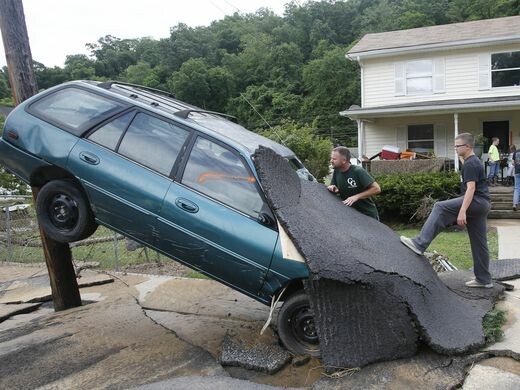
125 167
211 218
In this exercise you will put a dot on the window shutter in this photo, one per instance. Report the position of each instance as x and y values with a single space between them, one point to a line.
438 76
400 78
484 71
439 140
402 138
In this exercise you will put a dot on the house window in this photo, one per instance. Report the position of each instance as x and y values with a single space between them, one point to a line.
420 138
419 77
505 69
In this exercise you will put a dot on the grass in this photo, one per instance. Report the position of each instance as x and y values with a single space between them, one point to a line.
455 245
492 324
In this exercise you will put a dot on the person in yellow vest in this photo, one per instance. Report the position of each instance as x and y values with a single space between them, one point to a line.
494 161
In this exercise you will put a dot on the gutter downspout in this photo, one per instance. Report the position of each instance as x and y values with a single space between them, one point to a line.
360 134
456 127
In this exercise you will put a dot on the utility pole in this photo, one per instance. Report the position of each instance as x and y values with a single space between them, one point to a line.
58 257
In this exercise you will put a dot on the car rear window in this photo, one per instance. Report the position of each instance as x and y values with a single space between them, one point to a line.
74 109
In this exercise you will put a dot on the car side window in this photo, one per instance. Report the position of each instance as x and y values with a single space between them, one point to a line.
220 174
108 135
74 108
153 142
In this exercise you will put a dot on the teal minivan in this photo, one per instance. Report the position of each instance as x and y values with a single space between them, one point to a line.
174 177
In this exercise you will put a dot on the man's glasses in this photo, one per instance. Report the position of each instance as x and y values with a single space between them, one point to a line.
458 146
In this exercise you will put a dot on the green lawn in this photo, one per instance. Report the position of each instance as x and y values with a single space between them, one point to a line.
455 245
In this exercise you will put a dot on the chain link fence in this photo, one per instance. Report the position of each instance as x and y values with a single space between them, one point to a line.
20 240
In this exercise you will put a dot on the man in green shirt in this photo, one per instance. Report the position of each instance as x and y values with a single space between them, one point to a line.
354 185
494 161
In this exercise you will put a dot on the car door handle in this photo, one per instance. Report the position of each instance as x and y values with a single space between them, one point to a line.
89 158
186 205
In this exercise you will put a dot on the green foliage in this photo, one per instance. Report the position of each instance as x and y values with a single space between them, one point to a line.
11 184
313 151
492 324
288 68
401 194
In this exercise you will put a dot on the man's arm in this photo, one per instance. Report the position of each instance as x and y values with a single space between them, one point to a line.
468 197
372 189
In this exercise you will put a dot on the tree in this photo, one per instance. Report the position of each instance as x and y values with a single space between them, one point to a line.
260 107
138 73
79 67
331 85
191 82
313 151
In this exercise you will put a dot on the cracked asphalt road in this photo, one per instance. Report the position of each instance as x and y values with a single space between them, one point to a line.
154 332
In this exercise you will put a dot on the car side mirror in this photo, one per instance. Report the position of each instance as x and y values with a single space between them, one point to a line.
265 219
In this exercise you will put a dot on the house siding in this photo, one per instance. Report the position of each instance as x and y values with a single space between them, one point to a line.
461 77
384 131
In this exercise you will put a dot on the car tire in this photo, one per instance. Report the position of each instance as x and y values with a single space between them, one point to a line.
296 326
64 212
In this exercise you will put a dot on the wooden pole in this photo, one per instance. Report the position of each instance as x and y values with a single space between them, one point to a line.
64 286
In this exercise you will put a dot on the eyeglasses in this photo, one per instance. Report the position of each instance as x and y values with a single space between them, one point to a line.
458 146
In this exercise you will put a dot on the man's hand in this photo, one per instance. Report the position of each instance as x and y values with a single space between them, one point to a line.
351 200
333 189
461 219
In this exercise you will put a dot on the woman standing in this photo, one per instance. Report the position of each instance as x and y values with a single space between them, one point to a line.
516 193
510 176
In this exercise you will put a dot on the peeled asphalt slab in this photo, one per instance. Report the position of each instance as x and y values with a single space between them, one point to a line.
343 245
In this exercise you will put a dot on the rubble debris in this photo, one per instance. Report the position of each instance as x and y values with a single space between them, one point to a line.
268 358
440 263
343 245
426 370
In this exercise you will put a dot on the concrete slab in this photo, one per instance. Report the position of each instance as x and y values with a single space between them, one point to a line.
207 331
109 344
202 297
7 311
511 341
484 377
204 383
508 231
37 288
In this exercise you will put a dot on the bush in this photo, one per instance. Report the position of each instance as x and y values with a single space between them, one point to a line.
313 151
402 195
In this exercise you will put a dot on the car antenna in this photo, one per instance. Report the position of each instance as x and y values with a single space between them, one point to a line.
267 123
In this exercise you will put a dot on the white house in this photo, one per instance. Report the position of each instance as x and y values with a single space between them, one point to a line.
421 87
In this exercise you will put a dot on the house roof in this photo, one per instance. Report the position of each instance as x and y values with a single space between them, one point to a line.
457 34
435 107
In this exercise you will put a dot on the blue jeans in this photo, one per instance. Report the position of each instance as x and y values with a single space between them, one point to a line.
493 169
516 194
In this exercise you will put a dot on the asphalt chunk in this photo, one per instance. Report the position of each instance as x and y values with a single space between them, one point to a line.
340 244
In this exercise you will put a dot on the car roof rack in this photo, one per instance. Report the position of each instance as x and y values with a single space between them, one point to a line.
108 85
185 113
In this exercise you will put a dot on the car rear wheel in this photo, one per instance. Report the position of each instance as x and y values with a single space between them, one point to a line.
296 326
64 212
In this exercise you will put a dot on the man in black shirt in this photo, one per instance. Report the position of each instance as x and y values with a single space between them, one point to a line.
469 210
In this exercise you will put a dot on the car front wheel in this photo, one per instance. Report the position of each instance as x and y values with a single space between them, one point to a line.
64 212
296 326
